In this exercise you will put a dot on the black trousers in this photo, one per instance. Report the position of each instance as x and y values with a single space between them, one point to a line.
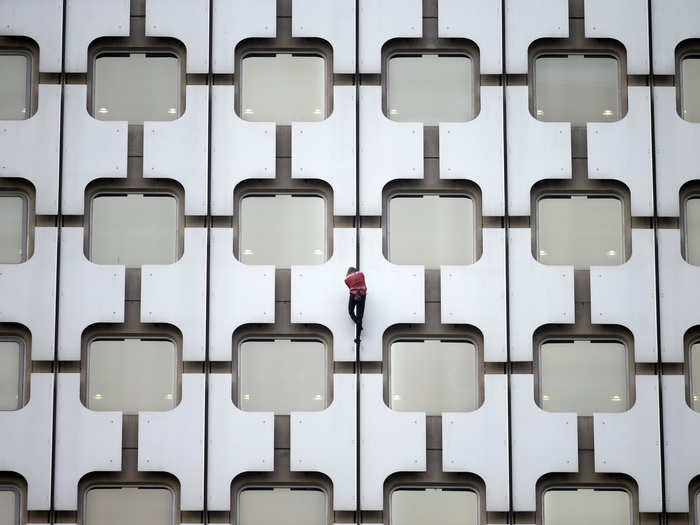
356 308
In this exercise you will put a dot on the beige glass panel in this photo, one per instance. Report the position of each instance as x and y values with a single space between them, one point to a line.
14 91
586 507
282 506
10 375
692 230
431 230
136 87
8 507
433 376
129 505
12 228
438 506
131 375
134 229
431 89
283 88
690 95
584 377
282 375
580 231
282 230
577 89
695 376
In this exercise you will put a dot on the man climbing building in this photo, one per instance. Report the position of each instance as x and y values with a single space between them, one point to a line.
358 293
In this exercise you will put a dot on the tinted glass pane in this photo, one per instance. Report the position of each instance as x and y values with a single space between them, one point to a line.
131 375
586 506
433 376
444 507
282 376
584 377
431 230
577 89
132 505
282 506
10 374
695 376
690 96
283 88
692 230
8 506
430 89
13 232
136 87
134 229
14 90
580 231
282 230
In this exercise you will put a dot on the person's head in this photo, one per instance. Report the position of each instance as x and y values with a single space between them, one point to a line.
352 269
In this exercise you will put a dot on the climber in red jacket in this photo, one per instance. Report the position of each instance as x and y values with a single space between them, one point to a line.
358 293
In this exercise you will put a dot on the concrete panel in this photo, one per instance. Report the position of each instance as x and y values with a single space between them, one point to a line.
326 150
629 442
476 294
672 21
42 21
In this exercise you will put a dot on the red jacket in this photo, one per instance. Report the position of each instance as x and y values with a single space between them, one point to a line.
356 283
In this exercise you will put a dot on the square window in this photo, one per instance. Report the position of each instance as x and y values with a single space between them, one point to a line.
13 228
580 230
9 503
410 506
692 230
431 230
136 87
584 377
433 376
11 374
282 506
695 376
282 230
282 375
587 506
577 89
283 88
690 92
132 505
134 229
430 88
15 85
131 375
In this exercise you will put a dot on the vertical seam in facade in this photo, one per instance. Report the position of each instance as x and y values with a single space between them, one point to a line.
358 448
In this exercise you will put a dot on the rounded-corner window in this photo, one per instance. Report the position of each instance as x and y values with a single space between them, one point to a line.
583 506
12 372
444 505
10 504
690 87
262 505
14 209
691 226
15 84
694 376
135 505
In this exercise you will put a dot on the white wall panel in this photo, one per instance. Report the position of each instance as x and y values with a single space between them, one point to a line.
382 20
252 433
390 441
179 149
677 152
89 293
539 294
236 20
41 20
186 20
239 150
29 148
319 296
238 294
475 294
325 442
672 21
629 442
87 20
527 21
474 151
626 21
622 150
478 442
92 149
388 150
332 20
26 441
476 20
542 442
173 441
626 295
396 294
86 441
28 293
176 294
681 451
326 150
536 150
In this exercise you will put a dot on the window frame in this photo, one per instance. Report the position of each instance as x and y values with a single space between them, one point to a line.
690 195
25 220
691 52
587 486
117 485
21 372
271 486
28 97
440 486
692 342
19 501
